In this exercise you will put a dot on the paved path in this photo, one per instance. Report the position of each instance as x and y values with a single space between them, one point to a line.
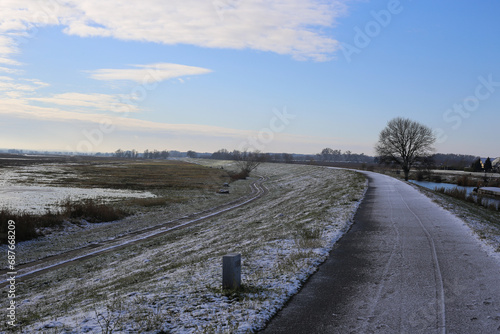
406 266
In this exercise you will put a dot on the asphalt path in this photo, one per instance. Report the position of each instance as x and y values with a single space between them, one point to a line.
406 266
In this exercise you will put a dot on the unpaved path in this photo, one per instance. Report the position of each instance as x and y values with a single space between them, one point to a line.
257 190
406 266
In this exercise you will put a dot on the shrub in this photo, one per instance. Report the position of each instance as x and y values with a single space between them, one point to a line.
92 210
465 181
241 175
28 225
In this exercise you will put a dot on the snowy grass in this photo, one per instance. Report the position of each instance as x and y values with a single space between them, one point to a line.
159 205
173 283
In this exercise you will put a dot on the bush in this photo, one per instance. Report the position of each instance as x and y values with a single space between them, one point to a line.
28 225
91 210
241 175
465 181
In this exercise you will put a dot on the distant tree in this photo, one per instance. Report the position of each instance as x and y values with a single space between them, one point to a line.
222 154
119 153
192 154
327 154
287 158
487 165
453 161
403 142
476 166
347 155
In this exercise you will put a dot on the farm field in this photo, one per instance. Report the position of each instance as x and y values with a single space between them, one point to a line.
172 283
149 192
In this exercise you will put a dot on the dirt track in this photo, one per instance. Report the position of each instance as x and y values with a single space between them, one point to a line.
31 269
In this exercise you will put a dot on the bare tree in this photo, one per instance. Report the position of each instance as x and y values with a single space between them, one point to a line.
247 162
404 141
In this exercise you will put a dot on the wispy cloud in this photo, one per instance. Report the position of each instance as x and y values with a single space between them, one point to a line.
68 128
9 70
146 74
8 84
103 102
8 61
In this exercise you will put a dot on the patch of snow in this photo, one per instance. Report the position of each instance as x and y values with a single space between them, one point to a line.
39 199
178 279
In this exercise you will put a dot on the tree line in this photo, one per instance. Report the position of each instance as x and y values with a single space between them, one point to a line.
147 154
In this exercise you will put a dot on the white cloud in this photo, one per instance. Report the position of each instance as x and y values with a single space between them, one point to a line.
103 102
292 27
281 26
147 74
8 61
9 70
8 84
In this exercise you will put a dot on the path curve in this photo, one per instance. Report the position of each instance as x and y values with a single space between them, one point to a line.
406 266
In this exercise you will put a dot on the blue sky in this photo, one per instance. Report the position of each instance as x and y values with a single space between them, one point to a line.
278 76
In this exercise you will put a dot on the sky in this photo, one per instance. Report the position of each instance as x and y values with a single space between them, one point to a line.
292 76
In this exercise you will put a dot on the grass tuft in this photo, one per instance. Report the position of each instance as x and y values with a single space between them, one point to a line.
29 225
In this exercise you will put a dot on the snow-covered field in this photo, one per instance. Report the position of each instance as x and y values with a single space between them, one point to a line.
20 191
173 282
459 173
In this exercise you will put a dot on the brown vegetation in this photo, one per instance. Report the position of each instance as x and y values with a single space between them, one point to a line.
144 175
115 174
476 199
28 225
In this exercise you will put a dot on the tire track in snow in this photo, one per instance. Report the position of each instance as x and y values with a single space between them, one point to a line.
385 272
440 300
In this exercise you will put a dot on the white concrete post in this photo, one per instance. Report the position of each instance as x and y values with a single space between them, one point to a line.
231 271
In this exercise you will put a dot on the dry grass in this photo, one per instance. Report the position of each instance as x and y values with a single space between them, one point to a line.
169 179
461 194
29 226
143 175
92 210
